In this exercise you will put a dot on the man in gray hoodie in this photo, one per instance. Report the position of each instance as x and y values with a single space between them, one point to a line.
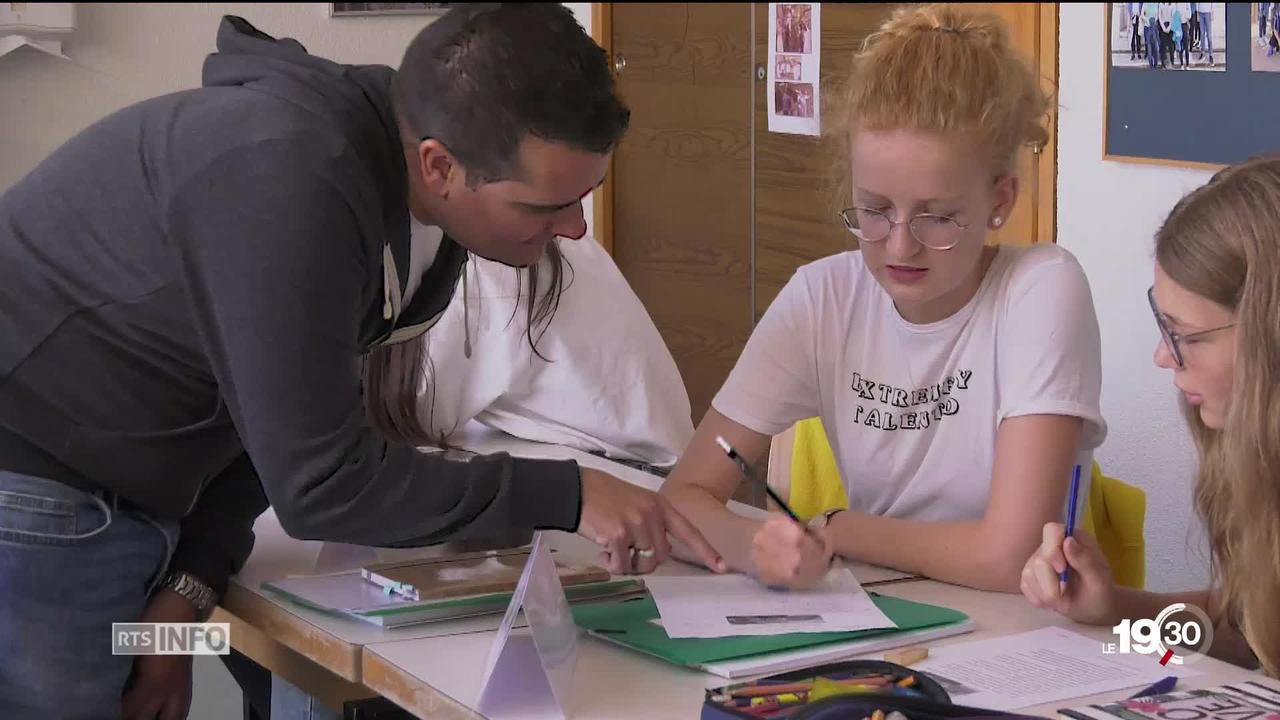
187 289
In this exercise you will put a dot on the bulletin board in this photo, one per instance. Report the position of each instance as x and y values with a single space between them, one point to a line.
1198 117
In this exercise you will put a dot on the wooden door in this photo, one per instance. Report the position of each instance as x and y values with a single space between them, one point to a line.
796 175
796 197
682 179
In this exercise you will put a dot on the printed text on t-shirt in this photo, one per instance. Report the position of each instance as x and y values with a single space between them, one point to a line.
916 409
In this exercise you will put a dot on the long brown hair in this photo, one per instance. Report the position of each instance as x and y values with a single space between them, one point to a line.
393 374
1222 242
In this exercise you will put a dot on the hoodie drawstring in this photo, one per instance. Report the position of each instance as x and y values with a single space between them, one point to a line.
390 286
466 316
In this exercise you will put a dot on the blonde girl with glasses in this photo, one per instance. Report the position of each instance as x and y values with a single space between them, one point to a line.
1216 301
958 382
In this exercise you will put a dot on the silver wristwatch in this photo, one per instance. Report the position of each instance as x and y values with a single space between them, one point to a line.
191 588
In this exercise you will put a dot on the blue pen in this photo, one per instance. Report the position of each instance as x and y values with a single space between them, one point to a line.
1071 514
1159 688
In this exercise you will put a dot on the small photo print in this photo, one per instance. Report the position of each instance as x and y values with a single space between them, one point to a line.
770 619
793 99
788 67
795 28
1169 36
1265 48
350 9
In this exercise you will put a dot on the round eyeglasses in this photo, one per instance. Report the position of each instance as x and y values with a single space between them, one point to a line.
936 232
1173 340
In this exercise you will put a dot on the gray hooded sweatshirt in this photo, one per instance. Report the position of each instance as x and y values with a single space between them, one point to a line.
186 288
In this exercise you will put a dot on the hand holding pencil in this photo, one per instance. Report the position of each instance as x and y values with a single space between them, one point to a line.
784 552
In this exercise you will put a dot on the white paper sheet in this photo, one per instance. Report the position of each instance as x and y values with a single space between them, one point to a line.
726 605
795 49
1042 666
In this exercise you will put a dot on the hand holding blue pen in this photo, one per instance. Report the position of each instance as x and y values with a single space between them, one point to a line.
1072 501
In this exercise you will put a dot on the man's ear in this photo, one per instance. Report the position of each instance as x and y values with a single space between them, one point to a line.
437 167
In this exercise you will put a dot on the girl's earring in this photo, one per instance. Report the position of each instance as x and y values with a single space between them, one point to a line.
997 221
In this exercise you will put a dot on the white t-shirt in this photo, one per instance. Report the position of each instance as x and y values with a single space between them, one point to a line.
912 410
603 380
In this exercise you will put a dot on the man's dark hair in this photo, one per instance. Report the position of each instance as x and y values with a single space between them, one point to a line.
485 75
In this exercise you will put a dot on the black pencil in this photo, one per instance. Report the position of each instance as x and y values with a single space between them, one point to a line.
751 475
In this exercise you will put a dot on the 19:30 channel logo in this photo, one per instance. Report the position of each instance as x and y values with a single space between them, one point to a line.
1176 640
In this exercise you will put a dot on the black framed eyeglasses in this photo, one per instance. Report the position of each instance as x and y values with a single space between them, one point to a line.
1173 340
936 232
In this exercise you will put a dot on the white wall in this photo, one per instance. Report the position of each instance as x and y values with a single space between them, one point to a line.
1107 215
125 52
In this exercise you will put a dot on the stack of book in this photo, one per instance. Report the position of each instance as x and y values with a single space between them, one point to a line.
431 589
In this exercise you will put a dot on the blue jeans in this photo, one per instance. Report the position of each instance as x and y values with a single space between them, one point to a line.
71 563
1206 33
289 702
1152 36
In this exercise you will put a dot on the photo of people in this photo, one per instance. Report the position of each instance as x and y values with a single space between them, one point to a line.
343 9
1266 46
788 67
793 99
1169 36
795 28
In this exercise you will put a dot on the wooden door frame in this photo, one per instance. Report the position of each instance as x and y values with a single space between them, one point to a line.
1047 169
1046 217
602 199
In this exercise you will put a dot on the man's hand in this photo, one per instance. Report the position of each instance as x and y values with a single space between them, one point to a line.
632 525
160 686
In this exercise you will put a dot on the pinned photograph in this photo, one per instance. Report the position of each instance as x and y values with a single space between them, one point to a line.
356 9
1169 36
1266 46
795 68
789 67
793 99
795 28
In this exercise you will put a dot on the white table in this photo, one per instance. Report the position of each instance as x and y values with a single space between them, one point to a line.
322 652
440 677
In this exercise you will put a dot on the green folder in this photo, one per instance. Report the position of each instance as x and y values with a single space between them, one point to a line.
629 622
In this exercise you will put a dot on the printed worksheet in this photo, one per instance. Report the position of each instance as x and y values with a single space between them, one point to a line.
728 605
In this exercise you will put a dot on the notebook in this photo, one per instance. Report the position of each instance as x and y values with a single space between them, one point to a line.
635 623
467 575
406 593
1248 700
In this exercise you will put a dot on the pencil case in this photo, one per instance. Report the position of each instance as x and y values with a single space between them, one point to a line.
881 691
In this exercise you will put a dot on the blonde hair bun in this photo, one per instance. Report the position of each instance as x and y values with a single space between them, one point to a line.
951 69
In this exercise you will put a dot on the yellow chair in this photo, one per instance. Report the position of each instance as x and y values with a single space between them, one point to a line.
1115 515
803 470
